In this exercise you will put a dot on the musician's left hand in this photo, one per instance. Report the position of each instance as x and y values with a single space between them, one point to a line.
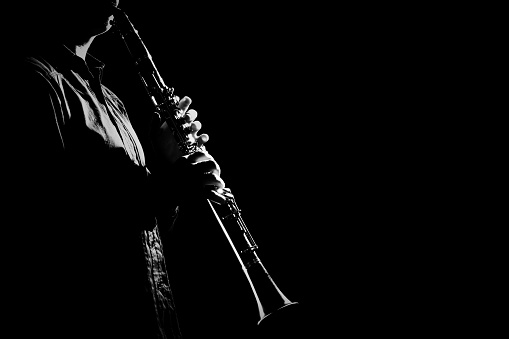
162 137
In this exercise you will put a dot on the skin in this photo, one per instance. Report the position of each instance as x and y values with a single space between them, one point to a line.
89 19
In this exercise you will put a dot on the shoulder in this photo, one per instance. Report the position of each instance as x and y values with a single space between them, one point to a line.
29 74
39 69
35 84
39 79
38 65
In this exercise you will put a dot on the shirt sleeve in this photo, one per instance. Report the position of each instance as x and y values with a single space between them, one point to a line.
34 142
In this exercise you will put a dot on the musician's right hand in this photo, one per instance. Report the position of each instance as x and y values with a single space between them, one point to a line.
191 175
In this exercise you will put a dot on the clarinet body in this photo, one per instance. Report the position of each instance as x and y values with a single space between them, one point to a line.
268 296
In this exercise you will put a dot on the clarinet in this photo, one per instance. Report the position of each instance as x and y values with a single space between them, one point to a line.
269 297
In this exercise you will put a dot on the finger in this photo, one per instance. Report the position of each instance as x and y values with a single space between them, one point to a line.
199 157
185 103
202 139
191 115
213 180
215 195
195 127
209 166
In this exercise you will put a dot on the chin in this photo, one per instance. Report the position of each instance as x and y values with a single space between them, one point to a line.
102 26
108 23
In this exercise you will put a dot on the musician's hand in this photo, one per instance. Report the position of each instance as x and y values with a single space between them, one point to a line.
191 175
164 142
201 171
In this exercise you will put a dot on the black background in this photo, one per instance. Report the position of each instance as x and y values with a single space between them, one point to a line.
302 105
328 125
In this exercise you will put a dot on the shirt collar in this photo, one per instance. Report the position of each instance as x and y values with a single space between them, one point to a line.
91 69
62 58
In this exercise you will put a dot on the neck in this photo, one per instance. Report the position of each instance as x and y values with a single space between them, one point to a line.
81 50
